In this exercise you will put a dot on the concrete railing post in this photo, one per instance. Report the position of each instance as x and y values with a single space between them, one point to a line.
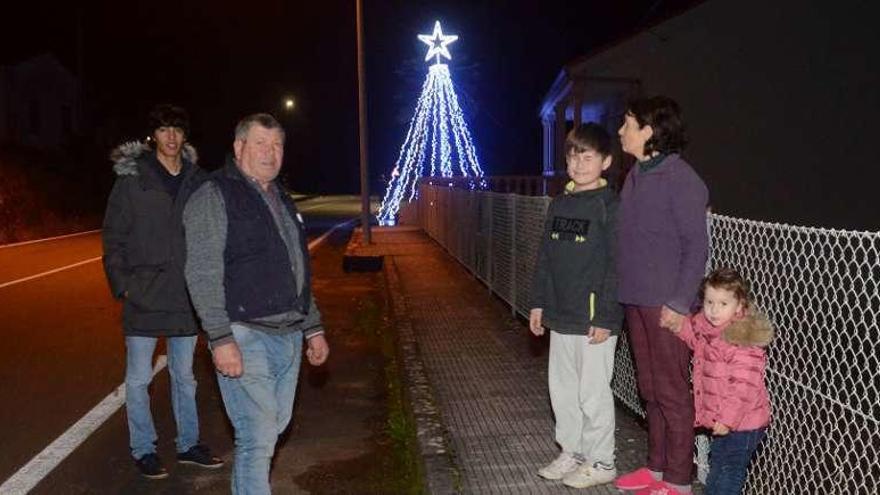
489 267
514 267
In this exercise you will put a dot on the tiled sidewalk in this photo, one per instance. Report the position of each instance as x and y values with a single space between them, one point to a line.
487 376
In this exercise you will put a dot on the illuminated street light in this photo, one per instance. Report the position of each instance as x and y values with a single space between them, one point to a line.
289 104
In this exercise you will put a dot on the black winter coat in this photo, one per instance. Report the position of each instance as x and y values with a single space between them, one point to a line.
144 246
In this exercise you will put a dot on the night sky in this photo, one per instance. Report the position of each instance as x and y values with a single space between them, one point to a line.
223 60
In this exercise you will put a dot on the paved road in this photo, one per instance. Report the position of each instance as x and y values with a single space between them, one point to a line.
63 353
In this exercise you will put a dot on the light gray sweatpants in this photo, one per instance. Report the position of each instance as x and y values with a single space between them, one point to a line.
579 376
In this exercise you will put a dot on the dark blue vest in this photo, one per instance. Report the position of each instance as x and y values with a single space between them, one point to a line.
258 275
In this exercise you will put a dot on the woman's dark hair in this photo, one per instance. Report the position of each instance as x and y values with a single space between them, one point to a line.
166 115
728 279
588 136
664 116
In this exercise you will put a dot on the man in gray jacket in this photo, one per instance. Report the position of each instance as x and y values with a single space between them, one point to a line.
248 272
143 259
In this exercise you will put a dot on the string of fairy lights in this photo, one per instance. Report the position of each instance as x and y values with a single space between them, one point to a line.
437 134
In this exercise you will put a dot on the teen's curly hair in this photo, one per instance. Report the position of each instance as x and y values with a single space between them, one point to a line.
167 115
664 116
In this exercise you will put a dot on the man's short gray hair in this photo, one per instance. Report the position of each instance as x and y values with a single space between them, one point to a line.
262 119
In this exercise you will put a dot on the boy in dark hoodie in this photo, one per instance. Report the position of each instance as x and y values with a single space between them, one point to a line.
574 294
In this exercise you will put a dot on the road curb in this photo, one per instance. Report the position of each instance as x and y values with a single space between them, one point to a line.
442 475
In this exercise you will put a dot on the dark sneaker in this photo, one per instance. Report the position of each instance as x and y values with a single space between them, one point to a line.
200 455
151 467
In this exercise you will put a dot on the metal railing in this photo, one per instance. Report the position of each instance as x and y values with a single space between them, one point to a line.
820 287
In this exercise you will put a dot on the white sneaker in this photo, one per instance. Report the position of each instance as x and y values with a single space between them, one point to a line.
562 465
590 475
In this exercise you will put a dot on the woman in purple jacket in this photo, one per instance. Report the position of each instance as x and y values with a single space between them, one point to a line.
662 245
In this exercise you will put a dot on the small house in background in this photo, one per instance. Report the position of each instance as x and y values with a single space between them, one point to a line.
40 103
779 98
576 97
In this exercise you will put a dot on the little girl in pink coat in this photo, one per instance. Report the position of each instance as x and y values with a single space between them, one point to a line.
729 339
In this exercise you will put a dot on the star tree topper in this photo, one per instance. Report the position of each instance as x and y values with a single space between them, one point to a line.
437 42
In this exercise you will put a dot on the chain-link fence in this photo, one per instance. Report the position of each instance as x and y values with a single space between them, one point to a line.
818 286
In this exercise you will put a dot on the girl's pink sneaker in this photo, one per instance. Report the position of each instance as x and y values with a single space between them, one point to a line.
636 480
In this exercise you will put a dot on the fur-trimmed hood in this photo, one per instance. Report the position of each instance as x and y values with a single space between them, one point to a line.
126 156
728 371
754 329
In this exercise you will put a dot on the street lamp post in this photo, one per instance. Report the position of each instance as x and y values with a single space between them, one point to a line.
362 113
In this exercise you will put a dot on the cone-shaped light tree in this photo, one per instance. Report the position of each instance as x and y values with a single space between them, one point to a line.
438 142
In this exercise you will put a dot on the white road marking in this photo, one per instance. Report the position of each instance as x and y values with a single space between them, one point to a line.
312 244
317 242
50 272
24 243
76 234
26 478
312 207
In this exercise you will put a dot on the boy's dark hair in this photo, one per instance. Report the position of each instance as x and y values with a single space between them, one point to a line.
588 136
727 279
664 116
167 115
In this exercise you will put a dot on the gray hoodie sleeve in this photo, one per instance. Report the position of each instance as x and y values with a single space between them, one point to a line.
204 220
312 325
609 312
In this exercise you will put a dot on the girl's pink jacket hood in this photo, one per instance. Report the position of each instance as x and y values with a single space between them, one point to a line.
729 364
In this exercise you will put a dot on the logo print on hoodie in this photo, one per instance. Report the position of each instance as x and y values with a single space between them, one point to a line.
569 229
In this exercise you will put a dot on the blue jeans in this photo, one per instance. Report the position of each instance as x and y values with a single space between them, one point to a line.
139 374
260 402
729 461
